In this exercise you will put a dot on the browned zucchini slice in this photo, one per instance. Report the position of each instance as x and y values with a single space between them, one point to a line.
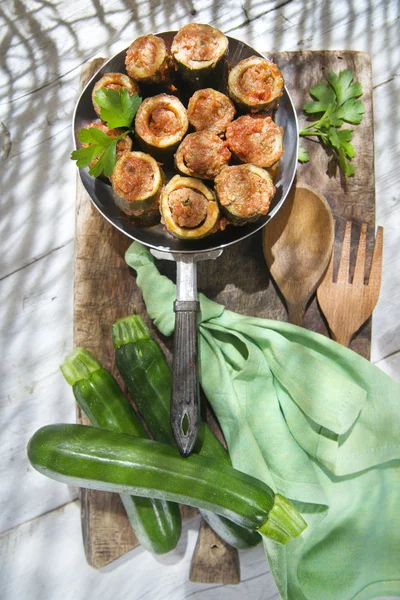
189 209
197 50
114 81
123 145
137 182
210 110
160 124
148 61
202 154
244 193
255 139
256 84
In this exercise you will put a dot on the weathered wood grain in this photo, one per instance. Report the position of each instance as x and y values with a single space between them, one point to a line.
213 560
104 290
351 198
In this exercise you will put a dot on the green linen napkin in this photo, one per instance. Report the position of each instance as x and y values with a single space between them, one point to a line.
316 422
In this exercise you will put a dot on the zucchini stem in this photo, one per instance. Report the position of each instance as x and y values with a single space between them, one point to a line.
284 521
80 364
129 330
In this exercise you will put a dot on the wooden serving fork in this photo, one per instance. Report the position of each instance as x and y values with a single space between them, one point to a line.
346 305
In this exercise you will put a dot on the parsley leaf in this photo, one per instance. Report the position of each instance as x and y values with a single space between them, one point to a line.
84 156
353 111
343 86
324 95
101 147
106 163
345 165
117 107
339 103
345 136
92 135
303 155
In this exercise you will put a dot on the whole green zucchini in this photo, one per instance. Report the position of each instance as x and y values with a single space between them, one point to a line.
156 523
146 373
115 462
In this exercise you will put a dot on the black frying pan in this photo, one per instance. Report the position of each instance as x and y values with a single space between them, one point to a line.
184 399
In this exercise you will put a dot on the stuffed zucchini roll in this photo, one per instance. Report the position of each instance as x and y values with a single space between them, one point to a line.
160 124
148 61
210 110
114 81
256 84
202 154
255 139
188 208
123 145
244 193
197 50
137 182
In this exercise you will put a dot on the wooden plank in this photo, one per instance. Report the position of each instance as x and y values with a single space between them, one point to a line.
104 289
213 560
103 292
351 198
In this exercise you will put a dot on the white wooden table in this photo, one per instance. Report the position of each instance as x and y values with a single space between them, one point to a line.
43 46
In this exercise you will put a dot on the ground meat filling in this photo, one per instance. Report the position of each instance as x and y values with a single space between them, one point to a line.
163 121
203 155
143 52
113 86
197 42
188 207
244 193
257 83
133 178
255 139
211 110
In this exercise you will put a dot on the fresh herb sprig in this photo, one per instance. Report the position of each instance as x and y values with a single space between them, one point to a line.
118 109
338 102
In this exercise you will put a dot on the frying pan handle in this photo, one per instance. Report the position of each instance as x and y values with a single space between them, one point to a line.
185 409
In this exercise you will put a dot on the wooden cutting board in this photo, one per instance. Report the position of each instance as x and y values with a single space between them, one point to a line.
105 288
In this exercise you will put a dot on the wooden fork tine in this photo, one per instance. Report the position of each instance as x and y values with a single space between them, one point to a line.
359 270
375 275
344 265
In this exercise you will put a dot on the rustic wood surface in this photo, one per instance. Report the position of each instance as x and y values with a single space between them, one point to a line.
105 290
43 47
214 561
101 297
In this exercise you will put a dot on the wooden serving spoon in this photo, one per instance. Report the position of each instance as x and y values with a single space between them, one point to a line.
297 245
